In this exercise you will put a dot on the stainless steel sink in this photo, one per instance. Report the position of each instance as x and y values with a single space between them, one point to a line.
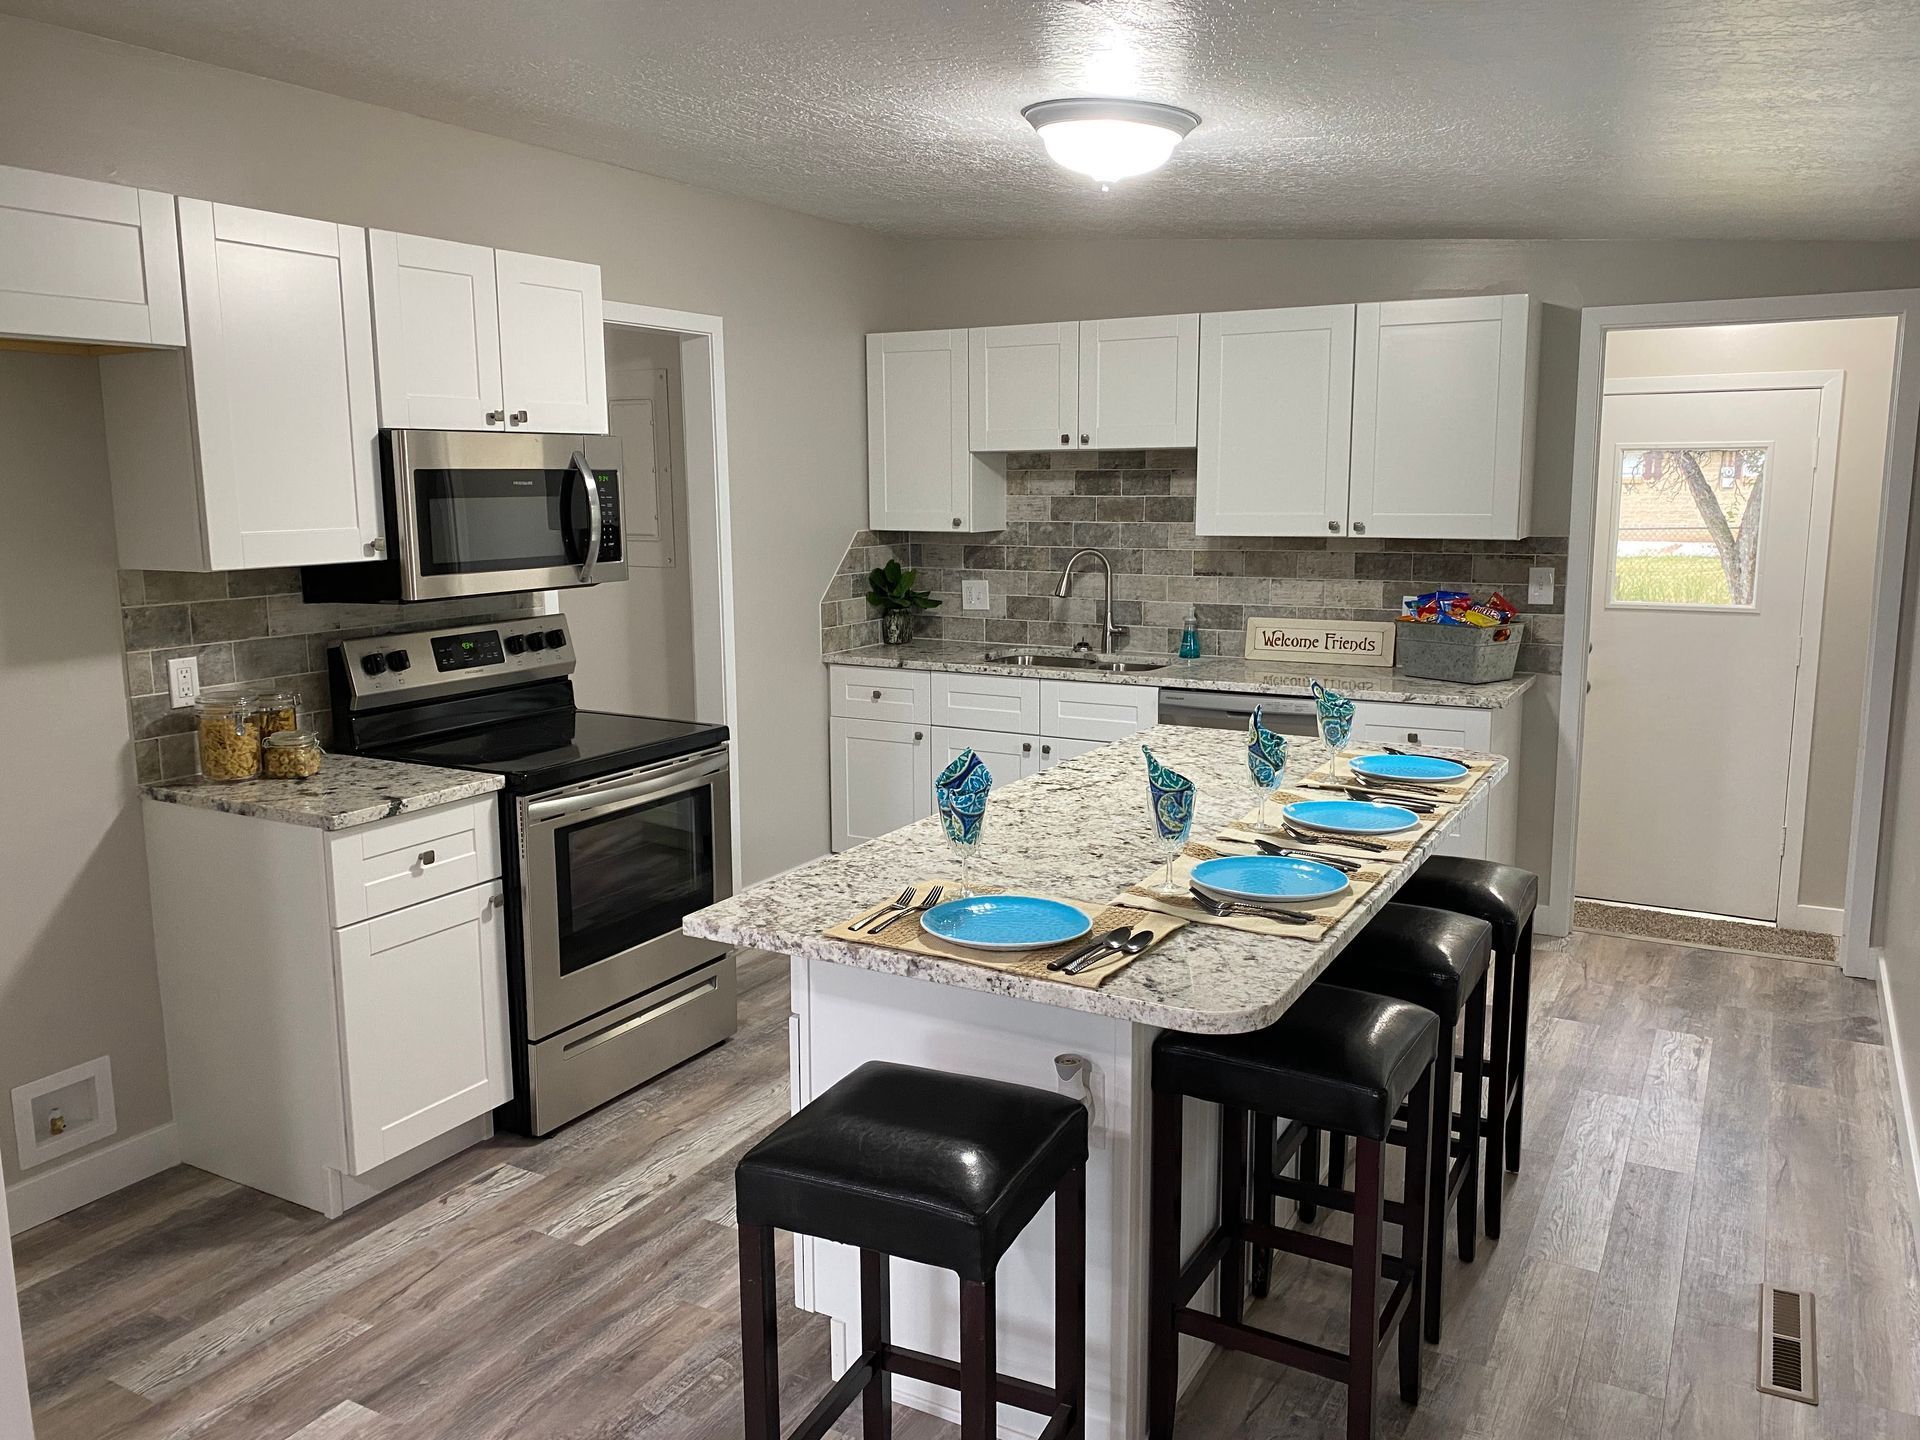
1072 662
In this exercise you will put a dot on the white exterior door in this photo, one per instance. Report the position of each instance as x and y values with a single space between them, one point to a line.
882 778
1443 418
1139 382
281 357
1276 408
1024 387
436 331
553 352
83 260
917 458
423 1021
1700 572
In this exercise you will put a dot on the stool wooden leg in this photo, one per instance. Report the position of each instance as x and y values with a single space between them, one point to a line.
1070 1298
1413 1196
1472 1108
1522 1012
979 1366
876 1330
1233 1199
1441 1159
1363 1315
759 1340
1163 1266
1336 1160
1308 1169
1262 1200
1500 1025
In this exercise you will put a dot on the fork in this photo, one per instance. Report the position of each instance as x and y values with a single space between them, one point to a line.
1242 907
1338 862
1352 841
906 899
927 902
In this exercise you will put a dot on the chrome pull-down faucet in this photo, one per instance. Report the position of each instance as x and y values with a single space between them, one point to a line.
1108 630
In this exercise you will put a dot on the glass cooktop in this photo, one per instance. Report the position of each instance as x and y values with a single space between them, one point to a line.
544 752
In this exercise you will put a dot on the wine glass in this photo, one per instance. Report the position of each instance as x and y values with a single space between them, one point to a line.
960 794
1266 761
1170 797
1333 713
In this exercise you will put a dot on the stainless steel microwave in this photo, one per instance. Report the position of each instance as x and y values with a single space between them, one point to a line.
481 513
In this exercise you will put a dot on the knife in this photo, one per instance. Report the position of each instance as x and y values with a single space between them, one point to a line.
1366 795
1099 942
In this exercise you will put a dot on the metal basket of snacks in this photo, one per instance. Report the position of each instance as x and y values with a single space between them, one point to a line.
1448 635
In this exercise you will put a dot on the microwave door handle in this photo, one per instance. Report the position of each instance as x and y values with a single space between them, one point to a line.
591 557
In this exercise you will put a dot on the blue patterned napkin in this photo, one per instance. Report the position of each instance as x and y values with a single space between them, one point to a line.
1266 753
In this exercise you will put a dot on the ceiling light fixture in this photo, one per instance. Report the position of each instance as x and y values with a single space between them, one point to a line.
1110 139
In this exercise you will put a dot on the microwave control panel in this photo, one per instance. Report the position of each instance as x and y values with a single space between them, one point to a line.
421 663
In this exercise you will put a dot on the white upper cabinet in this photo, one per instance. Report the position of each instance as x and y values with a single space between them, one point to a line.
1443 394
921 474
89 262
1139 382
1024 387
436 333
470 338
553 355
257 446
1276 395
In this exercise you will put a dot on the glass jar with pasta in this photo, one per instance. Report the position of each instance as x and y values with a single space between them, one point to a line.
276 711
292 755
229 730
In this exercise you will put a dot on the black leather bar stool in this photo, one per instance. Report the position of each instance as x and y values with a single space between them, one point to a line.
1339 1060
1504 896
1437 960
943 1169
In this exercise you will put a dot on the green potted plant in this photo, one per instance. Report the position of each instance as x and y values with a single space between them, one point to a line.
890 591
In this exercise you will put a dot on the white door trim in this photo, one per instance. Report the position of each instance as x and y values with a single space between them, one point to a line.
1896 502
1831 384
703 390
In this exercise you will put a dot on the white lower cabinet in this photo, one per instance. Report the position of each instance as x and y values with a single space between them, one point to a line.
882 777
1008 757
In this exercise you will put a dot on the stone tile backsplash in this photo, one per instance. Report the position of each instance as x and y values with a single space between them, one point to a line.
251 628
1137 506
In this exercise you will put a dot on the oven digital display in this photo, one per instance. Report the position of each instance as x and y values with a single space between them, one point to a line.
463 652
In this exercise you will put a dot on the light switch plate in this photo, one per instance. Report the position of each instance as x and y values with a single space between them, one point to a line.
1539 585
183 680
973 594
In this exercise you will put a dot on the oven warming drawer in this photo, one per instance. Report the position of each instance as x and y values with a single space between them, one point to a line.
584 1067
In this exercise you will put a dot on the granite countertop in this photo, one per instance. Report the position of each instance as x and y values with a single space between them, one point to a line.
350 790
1078 831
1213 672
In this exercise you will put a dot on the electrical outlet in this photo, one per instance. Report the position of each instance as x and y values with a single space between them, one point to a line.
183 680
973 594
1539 585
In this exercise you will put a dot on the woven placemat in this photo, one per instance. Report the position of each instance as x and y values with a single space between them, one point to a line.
1326 913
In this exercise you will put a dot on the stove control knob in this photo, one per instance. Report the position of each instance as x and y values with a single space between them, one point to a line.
398 660
516 644
536 641
556 638
374 663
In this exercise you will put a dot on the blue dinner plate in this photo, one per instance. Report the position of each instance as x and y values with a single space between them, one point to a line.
1350 817
1268 877
1433 769
1006 922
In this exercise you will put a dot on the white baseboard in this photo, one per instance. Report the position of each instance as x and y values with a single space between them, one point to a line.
1903 1099
40 1198
1815 919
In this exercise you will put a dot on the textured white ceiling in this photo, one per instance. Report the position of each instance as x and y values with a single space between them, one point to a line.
1514 118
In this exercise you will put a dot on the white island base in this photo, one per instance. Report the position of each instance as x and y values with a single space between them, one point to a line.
844 1017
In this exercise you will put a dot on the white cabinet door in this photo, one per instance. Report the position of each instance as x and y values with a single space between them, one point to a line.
1023 387
553 355
1089 710
987 702
1443 396
882 778
423 1021
83 260
1009 757
1139 382
1053 749
1276 406
281 361
436 333
874 692
921 473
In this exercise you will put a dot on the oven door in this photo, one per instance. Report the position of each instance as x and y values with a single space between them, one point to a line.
481 513
609 870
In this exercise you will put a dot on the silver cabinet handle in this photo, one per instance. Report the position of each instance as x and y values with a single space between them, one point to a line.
496 417
426 858
1334 526
1359 527
518 417
375 547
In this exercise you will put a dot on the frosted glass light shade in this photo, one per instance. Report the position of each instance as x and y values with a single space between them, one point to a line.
1110 140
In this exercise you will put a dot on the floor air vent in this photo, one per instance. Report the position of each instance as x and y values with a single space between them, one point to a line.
1789 1362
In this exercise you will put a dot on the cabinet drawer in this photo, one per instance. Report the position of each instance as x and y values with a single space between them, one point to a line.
1085 710
987 702
1378 724
380 868
861 693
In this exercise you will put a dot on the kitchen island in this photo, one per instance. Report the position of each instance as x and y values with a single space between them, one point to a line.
1078 831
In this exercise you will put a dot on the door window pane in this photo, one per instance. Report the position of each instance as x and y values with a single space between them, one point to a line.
1686 525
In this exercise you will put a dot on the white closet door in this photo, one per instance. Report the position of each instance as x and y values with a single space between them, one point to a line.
1139 382
281 351
1023 389
553 355
1276 403
436 333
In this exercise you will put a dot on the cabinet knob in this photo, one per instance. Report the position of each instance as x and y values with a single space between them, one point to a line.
956 522
1413 737
1359 527
496 417
1066 439
375 547
518 417
918 736
1026 747
1085 439
1046 749
426 858
876 694
1334 526
498 902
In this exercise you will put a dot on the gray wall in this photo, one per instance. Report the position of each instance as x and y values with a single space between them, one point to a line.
1898 923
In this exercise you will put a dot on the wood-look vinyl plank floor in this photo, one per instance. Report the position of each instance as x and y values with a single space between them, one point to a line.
1697 1122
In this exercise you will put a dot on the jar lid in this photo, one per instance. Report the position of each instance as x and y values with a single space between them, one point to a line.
287 739
223 704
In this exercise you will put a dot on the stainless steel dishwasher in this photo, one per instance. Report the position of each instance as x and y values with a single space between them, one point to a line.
1231 709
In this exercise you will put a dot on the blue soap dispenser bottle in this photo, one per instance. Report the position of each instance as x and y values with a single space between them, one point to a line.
1190 637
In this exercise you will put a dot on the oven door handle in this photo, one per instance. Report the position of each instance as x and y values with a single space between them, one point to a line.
590 552
669 782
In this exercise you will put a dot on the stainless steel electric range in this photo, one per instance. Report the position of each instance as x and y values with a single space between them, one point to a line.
616 827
